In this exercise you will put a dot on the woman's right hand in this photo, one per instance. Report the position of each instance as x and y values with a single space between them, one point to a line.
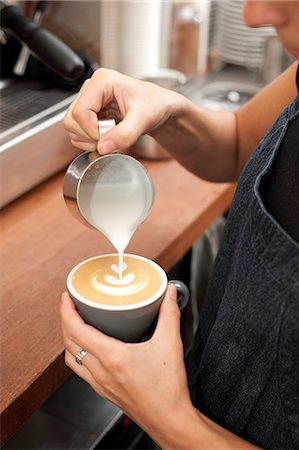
139 107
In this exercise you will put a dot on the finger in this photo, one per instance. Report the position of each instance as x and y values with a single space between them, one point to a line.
77 137
86 336
96 95
169 314
85 85
72 125
89 361
97 375
79 370
72 122
86 146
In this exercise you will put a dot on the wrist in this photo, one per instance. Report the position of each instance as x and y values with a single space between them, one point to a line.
176 108
178 429
175 134
184 432
193 430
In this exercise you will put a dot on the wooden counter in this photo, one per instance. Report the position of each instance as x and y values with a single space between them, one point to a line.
41 242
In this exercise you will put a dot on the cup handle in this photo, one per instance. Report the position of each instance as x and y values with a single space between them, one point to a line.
184 296
183 299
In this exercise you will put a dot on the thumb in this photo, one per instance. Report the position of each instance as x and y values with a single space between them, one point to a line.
169 314
124 134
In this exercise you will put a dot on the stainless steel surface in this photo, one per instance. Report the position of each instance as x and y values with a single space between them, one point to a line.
83 173
72 181
35 145
227 95
135 35
26 104
104 126
166 78
221 82
74 417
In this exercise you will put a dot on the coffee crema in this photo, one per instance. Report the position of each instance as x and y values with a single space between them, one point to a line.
98 280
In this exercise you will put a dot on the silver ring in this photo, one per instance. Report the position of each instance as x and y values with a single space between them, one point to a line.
80 355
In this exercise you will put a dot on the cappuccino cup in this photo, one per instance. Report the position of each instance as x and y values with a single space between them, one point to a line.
127 307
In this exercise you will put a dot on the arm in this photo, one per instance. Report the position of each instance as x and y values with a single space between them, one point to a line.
257 115
147 380
213 145
216 145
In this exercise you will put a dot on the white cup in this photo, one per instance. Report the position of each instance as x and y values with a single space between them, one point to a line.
129 323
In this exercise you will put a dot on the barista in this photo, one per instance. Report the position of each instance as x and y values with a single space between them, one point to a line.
241 390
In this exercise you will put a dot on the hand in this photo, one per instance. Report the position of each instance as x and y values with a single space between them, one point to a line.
137 106
146 380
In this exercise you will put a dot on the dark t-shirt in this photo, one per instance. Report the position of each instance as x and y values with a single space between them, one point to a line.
281 185
243 370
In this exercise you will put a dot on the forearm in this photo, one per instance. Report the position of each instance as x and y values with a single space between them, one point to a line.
189 429
216 145
203 141
213 145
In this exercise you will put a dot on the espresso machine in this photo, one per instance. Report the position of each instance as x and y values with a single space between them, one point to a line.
40 76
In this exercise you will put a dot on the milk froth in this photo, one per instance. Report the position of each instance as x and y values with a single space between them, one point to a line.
98 280
116 205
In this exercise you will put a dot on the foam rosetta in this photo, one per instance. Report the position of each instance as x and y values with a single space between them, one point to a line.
98 280
111 284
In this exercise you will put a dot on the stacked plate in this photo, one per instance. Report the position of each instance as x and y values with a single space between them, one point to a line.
213 24
237 43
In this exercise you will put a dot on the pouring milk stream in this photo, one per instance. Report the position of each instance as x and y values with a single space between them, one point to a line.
117 193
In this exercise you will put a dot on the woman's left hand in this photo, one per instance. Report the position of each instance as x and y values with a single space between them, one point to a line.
146 380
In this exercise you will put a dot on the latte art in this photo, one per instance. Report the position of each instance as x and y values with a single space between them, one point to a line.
113 285
98 280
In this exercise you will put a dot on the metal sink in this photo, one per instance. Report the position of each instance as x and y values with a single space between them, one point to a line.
225 89
225 95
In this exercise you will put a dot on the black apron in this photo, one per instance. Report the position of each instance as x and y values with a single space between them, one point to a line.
243 369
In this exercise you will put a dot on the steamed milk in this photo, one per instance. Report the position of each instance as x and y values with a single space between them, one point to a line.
98 280
116 201
117 215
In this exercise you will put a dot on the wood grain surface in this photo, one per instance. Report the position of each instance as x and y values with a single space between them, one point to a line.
41 242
